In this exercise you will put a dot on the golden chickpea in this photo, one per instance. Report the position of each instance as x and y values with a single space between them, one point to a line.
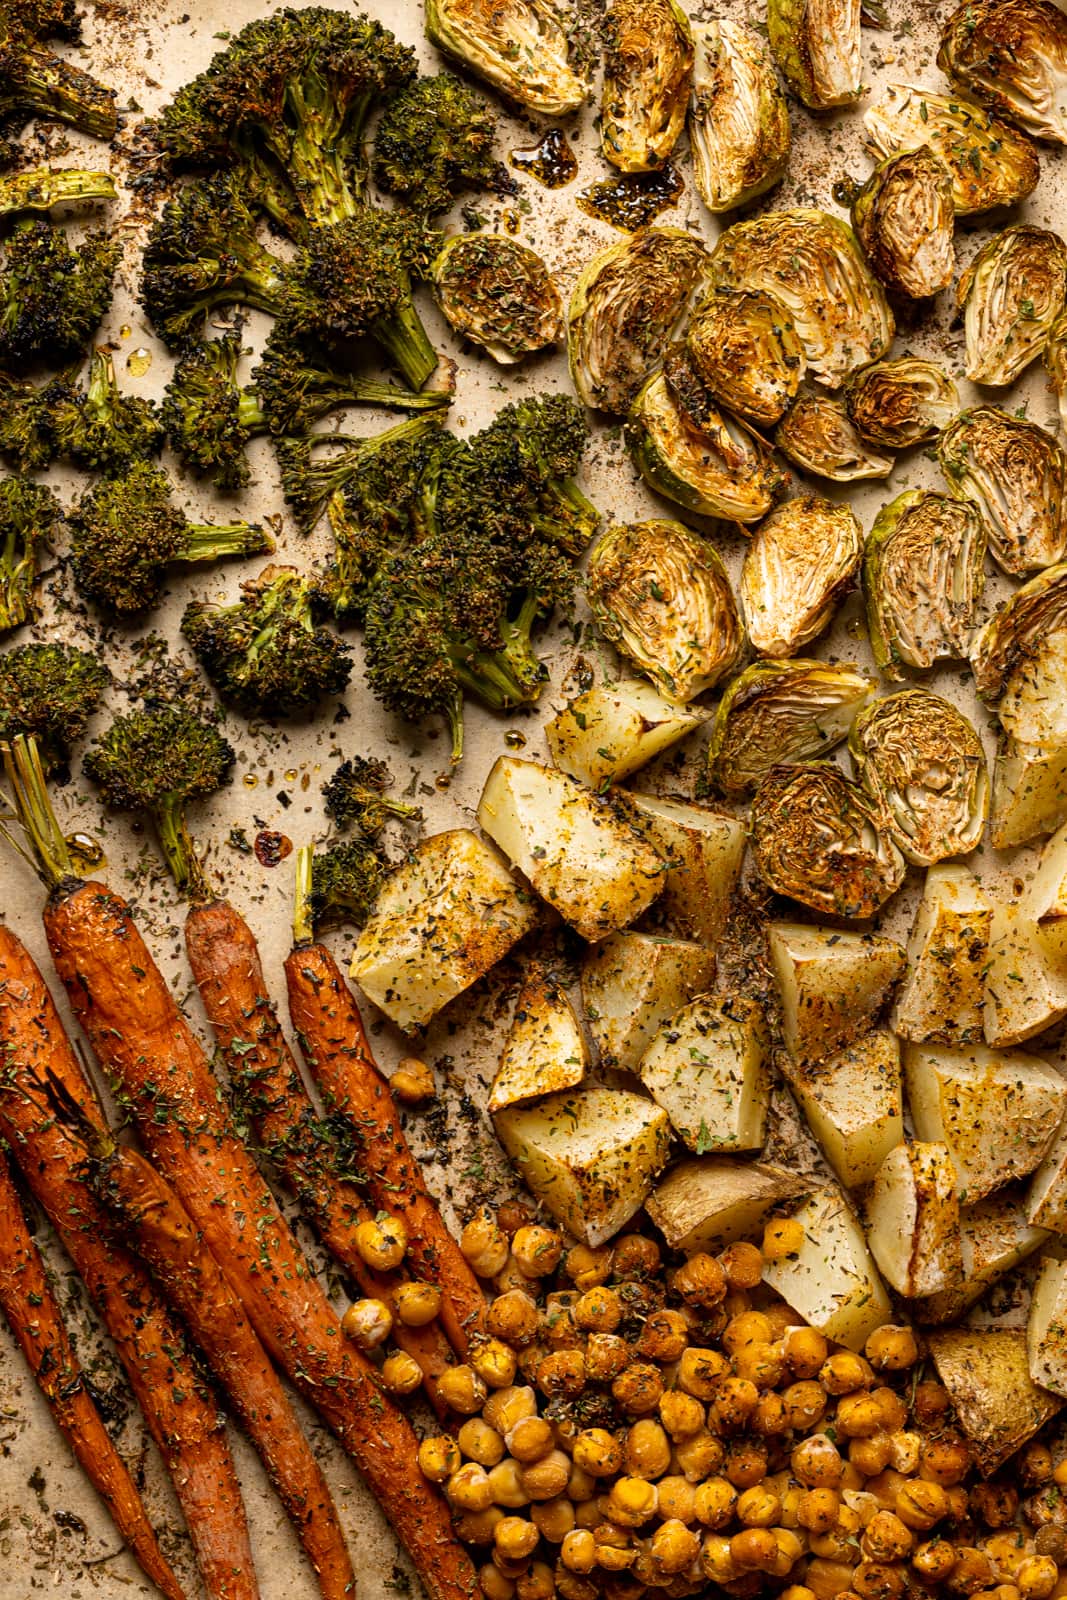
588 1268
617 1558
754 1550
700 1371
509 1277
750 1327
562 1373
412 1082
1036 1463
1035 1578
699 1456
368 1323
757 1507
790 1550
716 1559
417 1303
933 1562
805 1404
945 1461
554 1519
674 1547
714 1502
578 1551
906 1446
681 1414
631 1502
745 1463
782 1237
701 1281
495 1363
886 1538
598 1310
530 1439
477 1527
663 1338
817 1463
493 1584
505 1407
401 1373
995 1504
892 1348
828 1580
894 1411
537 1250
515 1538
462 1389
479 1442
818 1510
734 1403
439 1457
469 1489
770 1418
761 1364
742 1264
859 1416
558 1328
873 1580
844 1372
581 1485
871 1455
512 1215
505 1481
636 1257
648 1449
805 1350
639 1389
677 1499
536 1584
920 1505
382 1242
547 1477
1059 1472
598 1452
1052 1541
929 1403
588 1514
514 1317
973 1571
797 1591
606 1355
485 1244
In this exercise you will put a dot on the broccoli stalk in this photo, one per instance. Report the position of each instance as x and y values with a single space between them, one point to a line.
157 761
435 139
209 417
53 297
36 83
296 384
46 187
29 513
355 797
48 692
126 533
105 430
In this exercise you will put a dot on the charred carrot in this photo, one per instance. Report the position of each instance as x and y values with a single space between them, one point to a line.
34 1317
271 1094
164 1077
328 1024
160 1230
182 1416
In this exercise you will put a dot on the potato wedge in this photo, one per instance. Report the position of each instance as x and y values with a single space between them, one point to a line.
913 1219
709 1202
997 1111
708 1070
1046 1328
597 872
611 731
1029 792
633 983
590 1156
443 919
1046 1200
987 1375
704 849
1045 898
831 984
832 1281
545 1050
994 1237
942 994
853 1104
1024 993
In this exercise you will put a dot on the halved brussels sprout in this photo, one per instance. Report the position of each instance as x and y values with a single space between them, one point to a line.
1016 474
817 435
901 403
1011 55
922 763
719 469
1016 632
739 132
923 576
747 350
1010 296
499 294
905 220
820 839
519 46
781 711
661 594
816 43
1055 359
991 164
813 264
802 561
648 69
625 309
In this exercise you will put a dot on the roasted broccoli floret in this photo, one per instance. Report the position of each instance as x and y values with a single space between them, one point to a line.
28 415
36 83
356 798
346 879
308 483
126 532
287 100
29 514
297 382
46 19
202 253
266 655
49 692
52 296
434 140
532 450
104 430
157 761
47 187
208 415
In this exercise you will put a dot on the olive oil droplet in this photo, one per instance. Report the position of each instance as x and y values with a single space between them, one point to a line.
552 162
138 361
514 739
250 780
632 200
86 852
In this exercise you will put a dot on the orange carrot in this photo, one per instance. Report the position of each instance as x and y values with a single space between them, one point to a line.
34 1317
268 1086
182 1416
327 1021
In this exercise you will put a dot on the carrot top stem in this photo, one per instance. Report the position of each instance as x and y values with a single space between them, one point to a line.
29 795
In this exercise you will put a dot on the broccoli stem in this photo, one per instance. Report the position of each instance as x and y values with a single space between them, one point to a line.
18 569
42 189
303 924
406 340
214 541
250 412
55 89
29 793
179 851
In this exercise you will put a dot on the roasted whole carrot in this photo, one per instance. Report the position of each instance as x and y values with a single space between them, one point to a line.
157 1226
181 1415
34 1317
270 1091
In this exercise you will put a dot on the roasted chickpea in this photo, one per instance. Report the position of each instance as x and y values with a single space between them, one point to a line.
557 1327
462 1389
827 1580
553 1518
805 1350
699 1456
754 1549
495 1363
680 1414
817 1463
805 1404
638 1389
745 1463
562 1372
493 1584
648 1449
701 1281
920 1504
412 1082
700 1372
513 1215
598 1310
677 1499
485 1244
598 1452
536 1584
514 1317
844 1372
757 1507
934 1561
945 1460
509 1277
505 1407
874 1580
734 1403
606 1355
469 1489
742 1264
761 1364
382 1242
886 1538
817 1510
368 1323
530 1439
973 1571
1052 1541
892 1348
515 1538
995 1504
578 1551
1036 1463
635 1256
770 1417
631 1502
401 1373
782 1237
476 1527
663 1338
714 1502
716 1559
537 1250
546 1477
749 1327
479 1442
439 1457
505 1482
417 1303
871 1455
1036 1577
588 1268
674 1547
798 1591
929 1403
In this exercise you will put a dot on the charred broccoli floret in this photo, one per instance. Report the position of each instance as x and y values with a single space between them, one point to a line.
287 100
104 430
49 692
266 655
46 19
28 414
356 798
52 296
126 532
36 83
308 483
296 383
208 415
532 450
29 514
157 761
346 879
47 187
434 140
202 253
